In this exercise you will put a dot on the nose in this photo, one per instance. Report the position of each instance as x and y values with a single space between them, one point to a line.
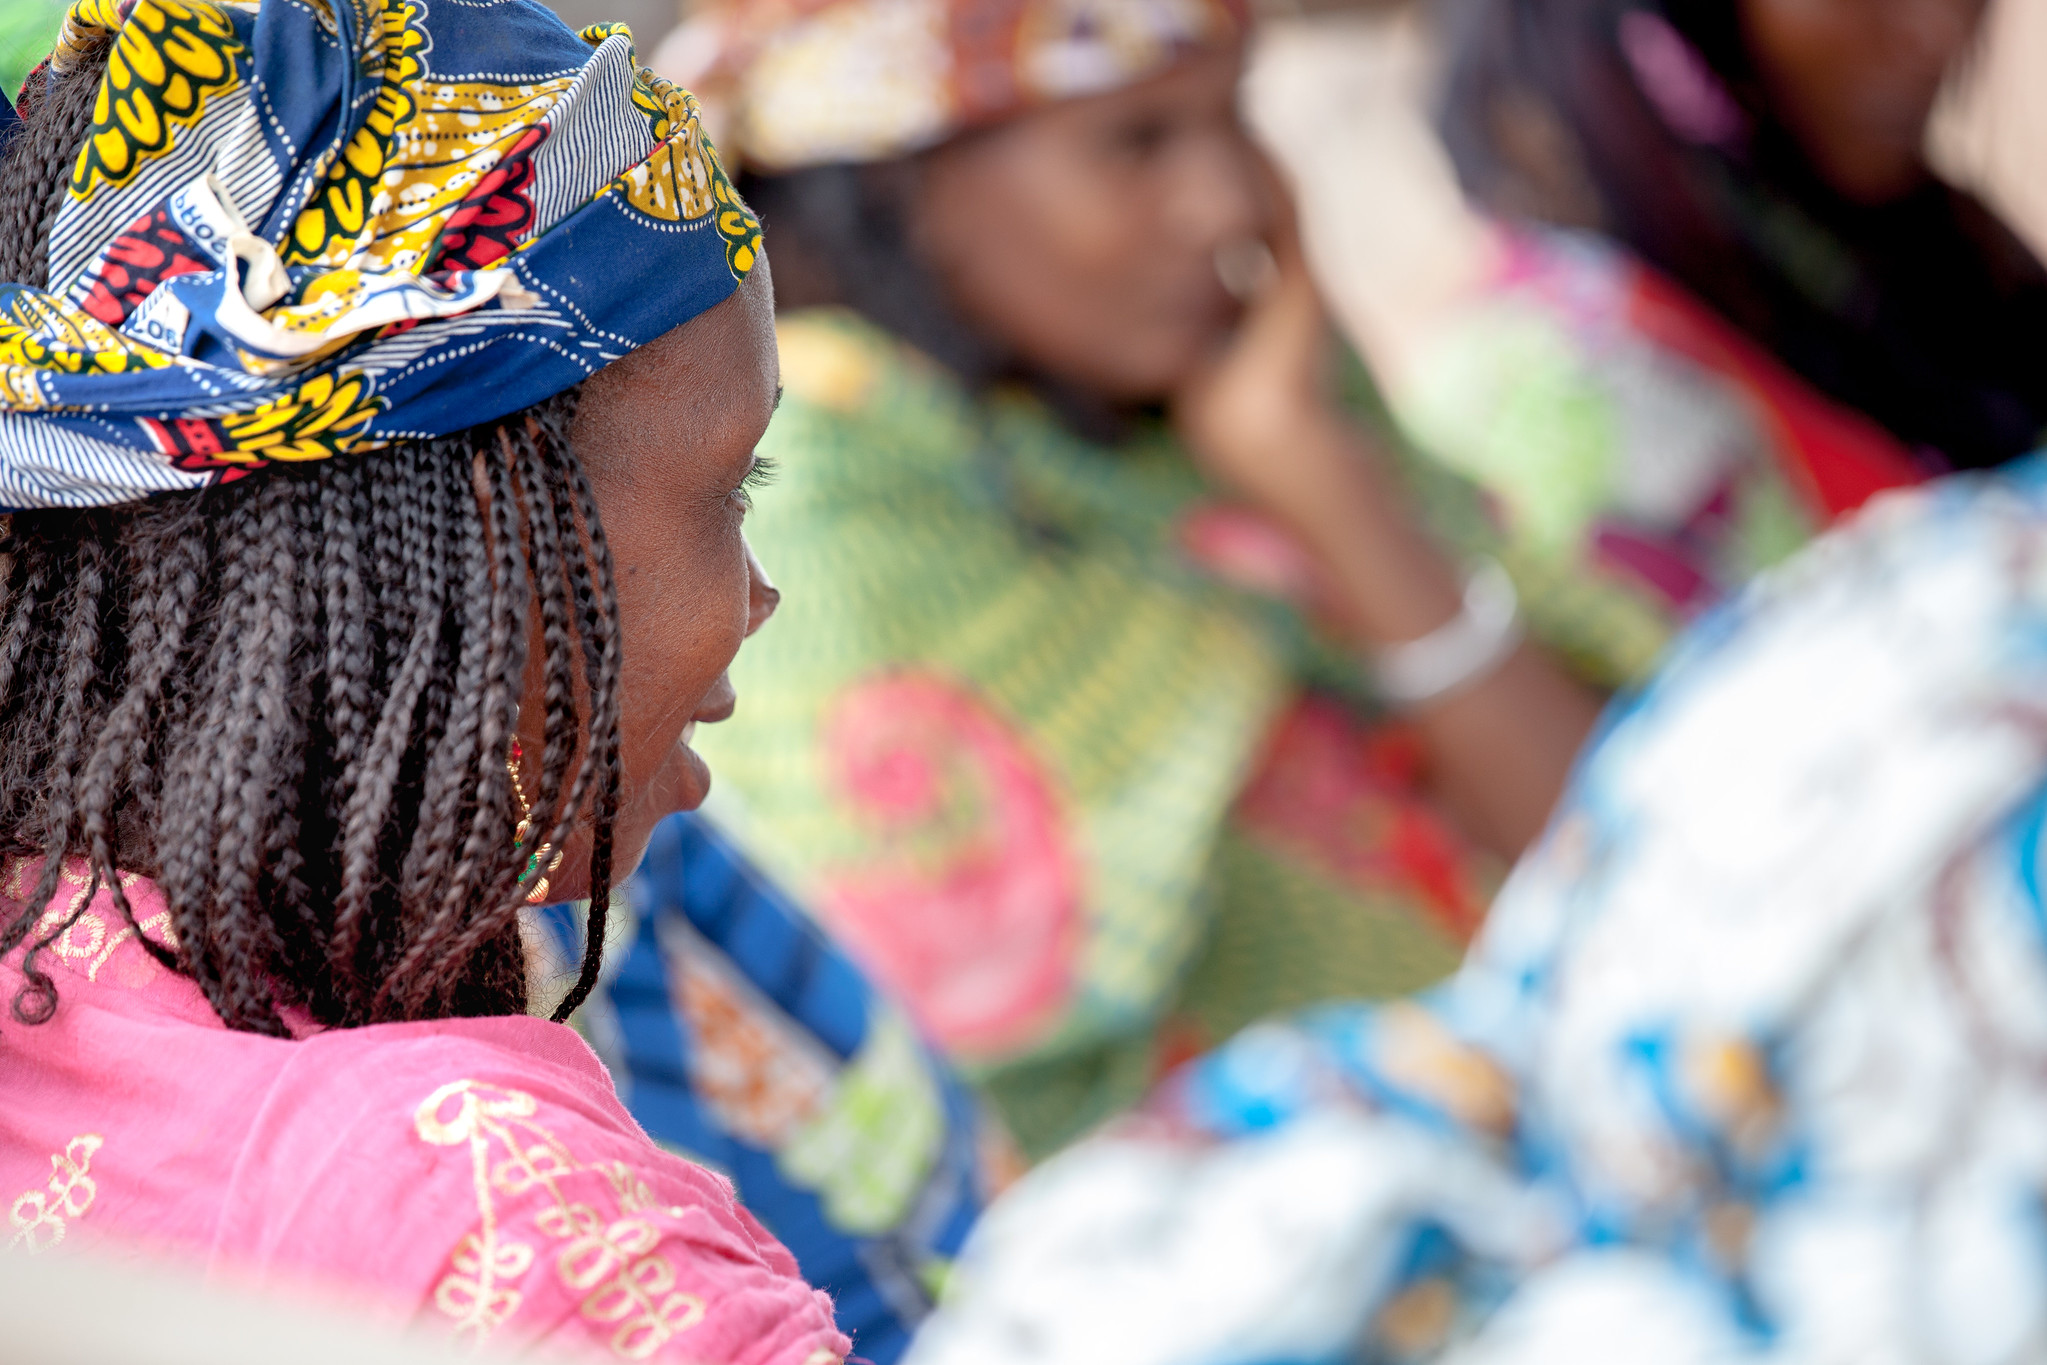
762 596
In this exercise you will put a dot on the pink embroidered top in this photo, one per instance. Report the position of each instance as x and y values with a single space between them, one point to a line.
477 1172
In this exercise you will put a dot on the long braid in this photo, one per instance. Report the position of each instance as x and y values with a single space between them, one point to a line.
346 683
373 801
266 732
483 860
596 600
158 616
297 836
552 519
404 653
441 782
28 581
209 853
81 640
351 653
438 878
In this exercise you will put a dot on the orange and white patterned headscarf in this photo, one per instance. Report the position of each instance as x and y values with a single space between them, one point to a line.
807 82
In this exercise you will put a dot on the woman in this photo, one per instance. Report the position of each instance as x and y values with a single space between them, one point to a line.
1731 299
1053 779
311 682
1744 1068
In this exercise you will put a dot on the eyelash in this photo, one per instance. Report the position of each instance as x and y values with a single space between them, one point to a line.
760 476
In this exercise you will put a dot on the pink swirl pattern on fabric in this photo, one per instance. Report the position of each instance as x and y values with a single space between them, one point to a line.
972 912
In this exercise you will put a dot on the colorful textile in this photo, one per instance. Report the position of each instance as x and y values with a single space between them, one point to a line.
476 1176
806 82
302 229
1646 121
741 1038
1744 1068
1027 760
1643 457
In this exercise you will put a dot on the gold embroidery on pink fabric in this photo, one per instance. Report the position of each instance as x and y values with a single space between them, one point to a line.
610 1261
90 938
41 1217
156 926
87 938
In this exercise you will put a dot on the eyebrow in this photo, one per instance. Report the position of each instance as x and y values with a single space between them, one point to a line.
779 391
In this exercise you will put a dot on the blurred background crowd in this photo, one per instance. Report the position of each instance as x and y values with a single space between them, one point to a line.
1159 903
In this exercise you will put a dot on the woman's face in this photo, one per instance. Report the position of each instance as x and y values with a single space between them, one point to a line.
1084 235
667 436
1855 81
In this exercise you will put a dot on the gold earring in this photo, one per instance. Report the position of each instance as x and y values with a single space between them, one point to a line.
538 895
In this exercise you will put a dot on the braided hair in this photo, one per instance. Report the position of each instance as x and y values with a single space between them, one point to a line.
290 699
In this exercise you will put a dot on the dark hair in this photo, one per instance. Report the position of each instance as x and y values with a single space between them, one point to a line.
290 699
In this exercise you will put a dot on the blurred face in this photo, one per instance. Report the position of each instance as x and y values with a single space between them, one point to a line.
1856 80
667 437
1084 235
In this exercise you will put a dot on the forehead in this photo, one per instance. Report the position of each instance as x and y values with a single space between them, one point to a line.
702 392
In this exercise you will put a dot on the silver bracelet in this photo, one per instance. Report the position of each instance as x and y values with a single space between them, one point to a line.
1459 652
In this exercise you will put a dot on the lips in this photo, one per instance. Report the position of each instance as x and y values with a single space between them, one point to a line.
717 704
687 778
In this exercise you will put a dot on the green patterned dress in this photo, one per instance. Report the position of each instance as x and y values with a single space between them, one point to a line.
1025 743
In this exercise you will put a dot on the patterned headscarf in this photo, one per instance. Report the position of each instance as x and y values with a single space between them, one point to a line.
806 82
303 227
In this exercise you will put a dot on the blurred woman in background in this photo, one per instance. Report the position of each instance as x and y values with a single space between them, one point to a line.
1026 741
1732 300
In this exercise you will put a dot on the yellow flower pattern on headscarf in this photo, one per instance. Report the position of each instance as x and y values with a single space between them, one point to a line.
171 57
330 228
36 333
737 225
684 179
317 420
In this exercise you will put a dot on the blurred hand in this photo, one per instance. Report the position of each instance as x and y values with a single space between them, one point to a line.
1261 417
1263 420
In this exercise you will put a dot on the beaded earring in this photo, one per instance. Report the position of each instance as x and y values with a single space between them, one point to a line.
538 895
